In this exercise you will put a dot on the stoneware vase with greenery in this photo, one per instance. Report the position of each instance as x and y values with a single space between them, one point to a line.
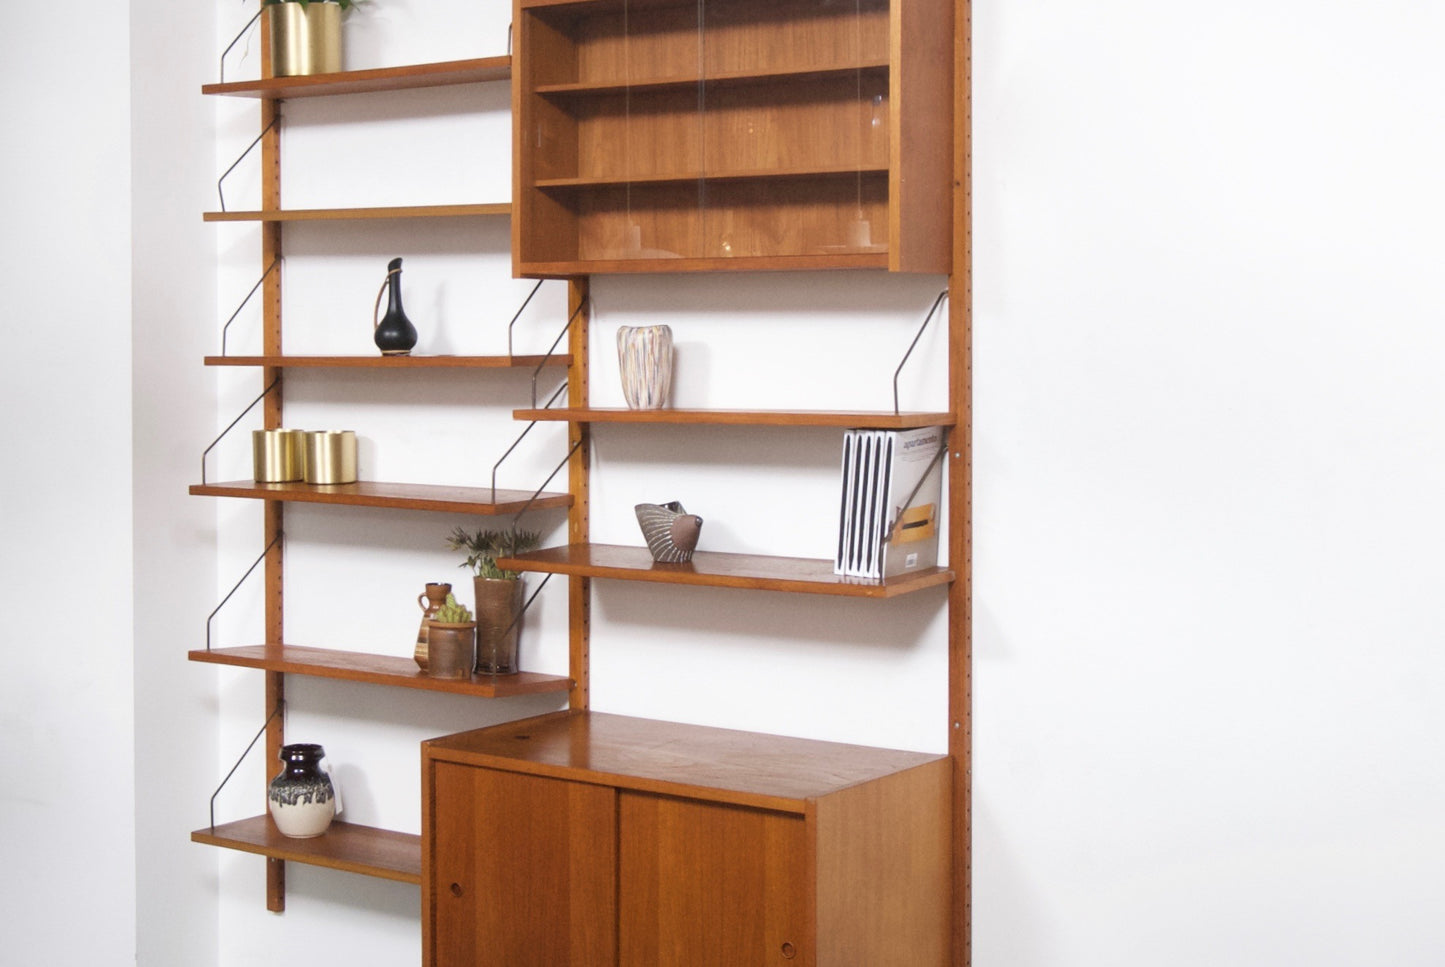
498 594
305 35
451 641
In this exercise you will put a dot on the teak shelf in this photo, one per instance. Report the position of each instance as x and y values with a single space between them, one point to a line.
367 81
403 496
713 79
355 666
360 214
714 176
345 846
829 418
713 569
393 362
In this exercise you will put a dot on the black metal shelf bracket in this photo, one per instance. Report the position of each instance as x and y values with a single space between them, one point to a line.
926 320
237 586
521 436
207 452
236 40
220 182
274 262
278 710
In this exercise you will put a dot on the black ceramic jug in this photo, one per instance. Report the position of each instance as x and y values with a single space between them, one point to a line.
394 335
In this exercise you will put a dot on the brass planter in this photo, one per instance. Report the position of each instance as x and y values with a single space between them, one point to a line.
304 39
278 456
330 457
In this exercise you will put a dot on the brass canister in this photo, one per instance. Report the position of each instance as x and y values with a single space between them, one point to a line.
330 457
278 456
304 39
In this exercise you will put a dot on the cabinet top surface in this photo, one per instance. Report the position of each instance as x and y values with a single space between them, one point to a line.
724 765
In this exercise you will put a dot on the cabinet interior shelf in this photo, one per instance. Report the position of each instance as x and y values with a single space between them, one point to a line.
720 78
686 177
741 263
394 362
403 496
377 79
352 214
355 666
714 569
366 850
869 420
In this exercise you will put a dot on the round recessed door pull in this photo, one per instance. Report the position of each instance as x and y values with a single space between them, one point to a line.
789 951
457 889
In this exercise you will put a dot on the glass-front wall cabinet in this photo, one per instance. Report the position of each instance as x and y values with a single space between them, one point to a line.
656 135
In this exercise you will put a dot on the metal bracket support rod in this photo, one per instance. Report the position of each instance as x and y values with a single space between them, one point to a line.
207 452
274 262
553 348
249 747
237 40
926 320
538 492
520 437
908 501
221 180
237 586
518 314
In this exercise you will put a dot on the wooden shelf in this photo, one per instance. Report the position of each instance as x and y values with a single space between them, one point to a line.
691 177
646 85
355 666
344 846
711 569
466 500
352 214
379 79
744 263
868 420
393 362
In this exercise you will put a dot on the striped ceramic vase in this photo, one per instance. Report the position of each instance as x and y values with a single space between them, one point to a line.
644 354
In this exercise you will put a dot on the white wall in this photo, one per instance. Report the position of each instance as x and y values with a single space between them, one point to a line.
66 762
1208 674
174 324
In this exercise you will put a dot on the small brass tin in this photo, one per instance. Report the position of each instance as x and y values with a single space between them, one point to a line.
278 456
304 39
330 457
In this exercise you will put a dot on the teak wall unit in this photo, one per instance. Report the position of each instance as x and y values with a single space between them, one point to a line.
635 153
675 136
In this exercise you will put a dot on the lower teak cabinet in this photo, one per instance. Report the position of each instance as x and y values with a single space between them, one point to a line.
579 839
591 840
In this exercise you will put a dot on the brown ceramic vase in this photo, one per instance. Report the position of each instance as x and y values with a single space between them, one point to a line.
451 649
430 602
499 624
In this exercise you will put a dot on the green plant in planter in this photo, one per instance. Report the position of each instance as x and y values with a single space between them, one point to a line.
484 547
452 613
